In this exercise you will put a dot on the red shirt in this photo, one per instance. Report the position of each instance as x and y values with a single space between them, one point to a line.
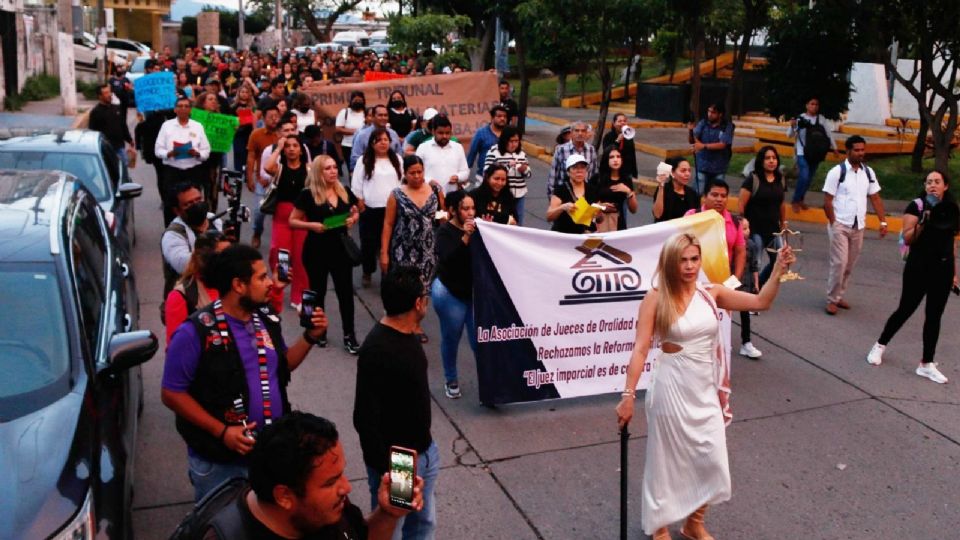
175 309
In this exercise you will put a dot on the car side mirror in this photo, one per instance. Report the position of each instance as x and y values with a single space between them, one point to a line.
129 349
129 190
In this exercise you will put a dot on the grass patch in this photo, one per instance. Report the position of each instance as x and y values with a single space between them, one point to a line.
896 179
543 90
36 88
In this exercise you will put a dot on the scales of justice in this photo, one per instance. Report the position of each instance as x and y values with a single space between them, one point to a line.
794 239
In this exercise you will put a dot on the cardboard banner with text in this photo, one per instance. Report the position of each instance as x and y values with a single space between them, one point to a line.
556 313
466 98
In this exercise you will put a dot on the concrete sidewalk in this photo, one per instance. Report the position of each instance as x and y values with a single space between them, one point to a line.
41 116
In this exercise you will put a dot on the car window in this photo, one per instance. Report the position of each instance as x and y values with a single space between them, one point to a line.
86 167
112 162
89 264
34 347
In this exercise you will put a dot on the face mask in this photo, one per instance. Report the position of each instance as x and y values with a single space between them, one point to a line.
397 104
196 215
357 105
932 200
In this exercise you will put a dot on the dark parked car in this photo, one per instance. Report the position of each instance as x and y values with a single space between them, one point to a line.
88 156
70 356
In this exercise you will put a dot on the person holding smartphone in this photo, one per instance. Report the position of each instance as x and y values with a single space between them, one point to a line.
931 223
392 401
212 373
327 211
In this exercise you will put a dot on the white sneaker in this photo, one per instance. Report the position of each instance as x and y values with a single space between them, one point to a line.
875 356
748 350
930 371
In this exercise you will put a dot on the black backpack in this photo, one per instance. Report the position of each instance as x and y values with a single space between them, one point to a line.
816 142
218 510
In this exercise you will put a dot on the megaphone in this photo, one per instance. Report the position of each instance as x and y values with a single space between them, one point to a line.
628 133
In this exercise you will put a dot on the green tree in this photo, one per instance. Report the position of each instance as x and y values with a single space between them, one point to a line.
478 35
927 33
556 37
318 16
811 52
413 34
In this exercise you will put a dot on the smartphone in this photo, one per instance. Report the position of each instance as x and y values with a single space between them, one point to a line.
403 473
283 265
307 305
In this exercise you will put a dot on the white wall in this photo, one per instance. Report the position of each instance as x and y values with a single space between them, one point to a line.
869 103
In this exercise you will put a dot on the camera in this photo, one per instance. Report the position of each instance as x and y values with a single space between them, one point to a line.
231 185
803 123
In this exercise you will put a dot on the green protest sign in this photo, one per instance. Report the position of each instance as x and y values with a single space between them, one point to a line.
219 128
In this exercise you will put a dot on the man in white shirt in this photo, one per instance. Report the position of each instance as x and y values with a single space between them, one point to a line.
845 193
183 147
444 162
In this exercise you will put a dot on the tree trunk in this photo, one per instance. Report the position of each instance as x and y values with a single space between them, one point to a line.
581 78
734 89
606 83
919 146
695 79
478 55
520 38
628 75
561 86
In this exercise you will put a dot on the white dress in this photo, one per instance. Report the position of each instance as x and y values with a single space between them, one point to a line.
686 460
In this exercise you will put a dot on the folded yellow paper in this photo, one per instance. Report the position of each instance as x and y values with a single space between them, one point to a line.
584 212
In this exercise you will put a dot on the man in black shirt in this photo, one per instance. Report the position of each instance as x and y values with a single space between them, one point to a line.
298 490
107 118
508 103
392 399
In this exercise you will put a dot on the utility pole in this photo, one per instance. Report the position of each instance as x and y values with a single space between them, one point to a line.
240 38
279 29
102 32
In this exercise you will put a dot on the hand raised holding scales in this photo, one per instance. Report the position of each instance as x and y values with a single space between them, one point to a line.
793 240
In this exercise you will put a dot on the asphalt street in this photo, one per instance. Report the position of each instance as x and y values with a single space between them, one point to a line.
822 446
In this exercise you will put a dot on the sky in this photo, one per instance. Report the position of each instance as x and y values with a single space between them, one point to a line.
185 8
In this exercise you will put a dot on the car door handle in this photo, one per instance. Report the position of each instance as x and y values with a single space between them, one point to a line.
125 269
127 322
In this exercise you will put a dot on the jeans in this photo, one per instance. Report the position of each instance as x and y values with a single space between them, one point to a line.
207 475
371 227
805 171
122 154
454 314
704 179
416 525
521 203
258 216
764 240
931 278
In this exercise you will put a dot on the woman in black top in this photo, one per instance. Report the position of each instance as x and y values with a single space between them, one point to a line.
290 175
452 291
402 119
327 211
563 198
493 201
762 202
930 224
615 188
675 197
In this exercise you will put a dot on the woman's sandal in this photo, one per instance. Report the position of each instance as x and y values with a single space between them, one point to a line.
696 519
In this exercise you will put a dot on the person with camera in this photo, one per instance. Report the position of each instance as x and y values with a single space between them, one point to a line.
327 211
176 244
228 366
931 223
814 139
299 489
392 402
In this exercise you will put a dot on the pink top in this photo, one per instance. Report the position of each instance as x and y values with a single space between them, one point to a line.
734 232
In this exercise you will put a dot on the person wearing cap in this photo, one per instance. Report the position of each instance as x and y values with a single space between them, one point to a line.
417 137
564 136
579 132
121 87
213 87
565 196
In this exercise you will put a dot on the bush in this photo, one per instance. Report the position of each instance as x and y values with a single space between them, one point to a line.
40 87
88 89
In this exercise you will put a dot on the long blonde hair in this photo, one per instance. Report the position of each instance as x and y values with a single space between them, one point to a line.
318 186
669 281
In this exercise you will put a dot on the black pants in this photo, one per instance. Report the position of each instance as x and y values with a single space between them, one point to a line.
744 327
163 190
371 227
930 278
336 265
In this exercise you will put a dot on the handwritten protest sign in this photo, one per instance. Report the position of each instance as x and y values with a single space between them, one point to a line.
465 97
155 92
219 128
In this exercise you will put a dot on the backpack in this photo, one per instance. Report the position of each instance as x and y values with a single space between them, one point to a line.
843 173
756 184
217 510
817 142
901 243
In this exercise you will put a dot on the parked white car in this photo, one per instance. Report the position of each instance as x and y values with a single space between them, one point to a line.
86 52
128 47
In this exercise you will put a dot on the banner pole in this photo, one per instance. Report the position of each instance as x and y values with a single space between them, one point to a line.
624 443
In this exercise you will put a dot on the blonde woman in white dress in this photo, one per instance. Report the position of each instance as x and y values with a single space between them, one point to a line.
686 404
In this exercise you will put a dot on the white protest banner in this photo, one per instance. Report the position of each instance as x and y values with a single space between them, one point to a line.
556 313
